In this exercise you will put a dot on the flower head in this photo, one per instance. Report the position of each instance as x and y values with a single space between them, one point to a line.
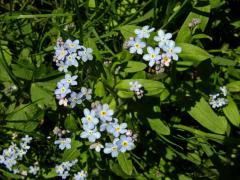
80 175
72 46
152 56
104 112
172 50
63 143
90 119
162 38
112 148
144 32
85 53
135 86
97 146
136 46
125 143
91 134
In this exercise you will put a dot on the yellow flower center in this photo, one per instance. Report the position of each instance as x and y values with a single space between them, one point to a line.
72 45
117 129
137 45
103 113
124 143
153 56
63 89
89 118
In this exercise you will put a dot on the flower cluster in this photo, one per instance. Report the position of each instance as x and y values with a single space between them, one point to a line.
135 86
100 119
218 100
12 154
194 23
159 56
64 168
67 54
63 143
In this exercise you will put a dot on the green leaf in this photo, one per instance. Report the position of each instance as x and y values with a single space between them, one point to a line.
43 93
4 76
152 87
70 123
146 16
232 112
159 127
223 61
128 31
99 89
193 53
51 174
135 66
234 86
125 163
202 13
204 114
73 153
25 118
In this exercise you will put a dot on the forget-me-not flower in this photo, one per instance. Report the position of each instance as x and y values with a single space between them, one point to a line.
75 98
125 143
104 112
136 46
62 67
72 46
144 32
71 80
71 60
63 90
152 56
135 86
63 143
117 129
82 175
112 148
91 134
90 119
162 38
85 53
172 50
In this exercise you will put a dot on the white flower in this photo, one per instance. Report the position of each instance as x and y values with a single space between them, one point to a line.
224 90
162 38
27 139
144 32
86 93
152 56
64 143
125 144
172 50
135 86
137 46
63 101
72 46
33 170
97 146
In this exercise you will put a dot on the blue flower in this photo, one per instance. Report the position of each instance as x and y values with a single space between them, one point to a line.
63 143
117 129
125 144
60 53
86 93
162 38
172 50
85 53
135 86
69 80
153 55
82 175
136 46
72 46
91 134
104 113
144 32
112 148
63 90
62 66
75 99
89 120
71 60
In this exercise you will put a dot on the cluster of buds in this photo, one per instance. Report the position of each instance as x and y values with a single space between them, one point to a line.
60 132
136 87
194 23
